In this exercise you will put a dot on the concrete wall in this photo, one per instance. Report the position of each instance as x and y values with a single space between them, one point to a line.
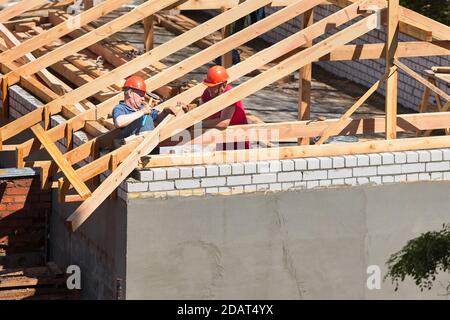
98 247
367 72
283 245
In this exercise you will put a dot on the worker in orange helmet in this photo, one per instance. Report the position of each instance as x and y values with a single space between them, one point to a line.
217 84
134 115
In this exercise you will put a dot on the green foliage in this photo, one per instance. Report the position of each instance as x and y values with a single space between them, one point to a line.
422 258
436 9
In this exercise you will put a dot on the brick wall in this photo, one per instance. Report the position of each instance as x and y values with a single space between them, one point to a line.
367 72
24 212
285 175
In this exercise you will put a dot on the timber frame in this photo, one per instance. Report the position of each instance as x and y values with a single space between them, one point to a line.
26 55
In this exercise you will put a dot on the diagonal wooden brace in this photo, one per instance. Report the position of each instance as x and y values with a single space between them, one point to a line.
61 161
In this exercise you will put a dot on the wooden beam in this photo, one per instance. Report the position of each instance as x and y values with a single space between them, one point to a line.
282 69
422 80
377 51
62 163
412 23
305 77
328 150
54 83
149 32
19 8
61 30
98 34
333 129
259 59
392 81
83 212
142 61
227 58
249 87
88 4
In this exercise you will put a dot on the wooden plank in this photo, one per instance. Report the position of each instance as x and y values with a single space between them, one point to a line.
54 83
19 8
229 43
256 61
305 75
246 66
61 30
413 23
328 150
282 69
170 127
88 4
377 51
227 58
83 212
98 34
333 129
441 69
392 81
422 80
62 163
154 55
149 32
291 131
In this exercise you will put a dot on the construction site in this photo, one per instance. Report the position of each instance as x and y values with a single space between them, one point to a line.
342 157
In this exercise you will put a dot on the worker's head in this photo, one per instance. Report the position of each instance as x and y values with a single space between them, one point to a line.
134 91
216 80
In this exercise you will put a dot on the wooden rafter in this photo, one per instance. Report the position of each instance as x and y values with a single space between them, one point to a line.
19 8
237 71
124 159
61 30
335 127
137 14
121 72
166 130
57 156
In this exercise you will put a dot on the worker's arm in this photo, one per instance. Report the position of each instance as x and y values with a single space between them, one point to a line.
175 110
223 121
125 119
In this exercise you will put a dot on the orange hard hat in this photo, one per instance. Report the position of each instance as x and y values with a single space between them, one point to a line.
216 75
135 82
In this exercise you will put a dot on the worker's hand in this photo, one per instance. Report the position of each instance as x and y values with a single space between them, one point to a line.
175 110
183 106
146 109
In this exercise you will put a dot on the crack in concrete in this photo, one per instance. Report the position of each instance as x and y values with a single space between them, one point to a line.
288 261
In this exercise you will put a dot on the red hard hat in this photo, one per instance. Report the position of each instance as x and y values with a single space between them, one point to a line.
216 75
135 82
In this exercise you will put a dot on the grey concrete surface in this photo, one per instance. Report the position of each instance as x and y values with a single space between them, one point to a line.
97 247
288 245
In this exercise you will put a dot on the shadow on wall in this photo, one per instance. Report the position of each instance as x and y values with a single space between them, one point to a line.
24 212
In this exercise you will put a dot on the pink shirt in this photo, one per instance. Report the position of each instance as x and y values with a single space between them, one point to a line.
239 117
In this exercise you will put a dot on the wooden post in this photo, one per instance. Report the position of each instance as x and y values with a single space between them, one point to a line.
5 100
88 4
305 76
392 81
148 33
227 58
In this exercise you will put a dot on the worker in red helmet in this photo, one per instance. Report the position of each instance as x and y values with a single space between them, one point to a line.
217 83
134 115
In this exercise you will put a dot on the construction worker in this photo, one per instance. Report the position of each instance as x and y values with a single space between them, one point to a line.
217 83
133 115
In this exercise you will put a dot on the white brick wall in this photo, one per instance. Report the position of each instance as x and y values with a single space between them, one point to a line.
367 72
285 175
